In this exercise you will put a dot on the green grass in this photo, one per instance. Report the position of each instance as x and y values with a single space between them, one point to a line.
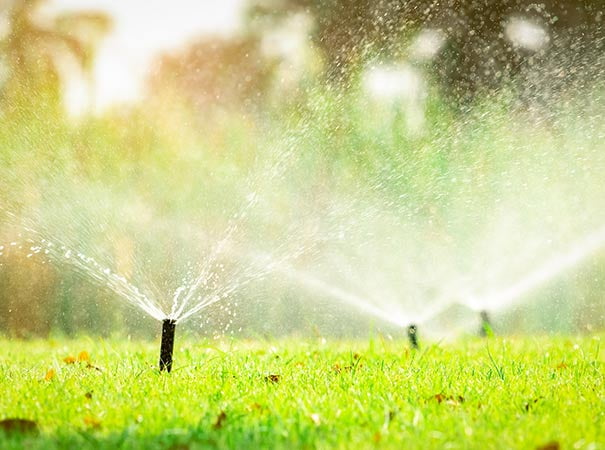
492 393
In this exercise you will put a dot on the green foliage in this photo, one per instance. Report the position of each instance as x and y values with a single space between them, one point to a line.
29 54
107 186
151 188
478 55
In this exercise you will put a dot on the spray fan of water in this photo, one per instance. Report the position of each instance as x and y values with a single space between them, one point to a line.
482 232
167 267
478 214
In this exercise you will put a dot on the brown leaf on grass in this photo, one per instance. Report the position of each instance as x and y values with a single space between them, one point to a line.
220 420
179 447
561 366
338 368
531 403
455 401
90 366
88 395
92 422
18 426
83 356
273 378
439 397
49 375
69 360
552 445
356 356
377 437
254 407
448 399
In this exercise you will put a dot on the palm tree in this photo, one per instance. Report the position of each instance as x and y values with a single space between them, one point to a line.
89 28
31 50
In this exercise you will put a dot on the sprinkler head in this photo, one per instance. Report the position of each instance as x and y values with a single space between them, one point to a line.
486 324
167 346
413 336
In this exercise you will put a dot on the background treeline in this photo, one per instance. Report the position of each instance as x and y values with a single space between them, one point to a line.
219 111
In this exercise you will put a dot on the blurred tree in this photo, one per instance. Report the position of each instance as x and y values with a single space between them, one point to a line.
478 53
347 31
490 42
89 28
26 299
216 72
31 49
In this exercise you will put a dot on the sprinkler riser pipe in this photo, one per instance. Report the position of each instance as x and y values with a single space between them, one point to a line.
486 324
167 345
413 336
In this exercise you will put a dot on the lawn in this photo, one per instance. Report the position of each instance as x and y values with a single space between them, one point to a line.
522 392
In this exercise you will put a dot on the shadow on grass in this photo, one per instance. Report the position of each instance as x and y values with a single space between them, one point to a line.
169 439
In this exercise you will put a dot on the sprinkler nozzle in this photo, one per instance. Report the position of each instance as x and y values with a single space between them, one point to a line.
486 324
167 346
413 336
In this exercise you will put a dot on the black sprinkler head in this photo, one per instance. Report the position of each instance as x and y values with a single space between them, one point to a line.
167 346
486 324
413 336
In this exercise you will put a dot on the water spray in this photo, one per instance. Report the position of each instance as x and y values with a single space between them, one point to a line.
486 324
167 346
413 336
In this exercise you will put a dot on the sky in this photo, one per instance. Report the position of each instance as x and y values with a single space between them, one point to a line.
142 30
